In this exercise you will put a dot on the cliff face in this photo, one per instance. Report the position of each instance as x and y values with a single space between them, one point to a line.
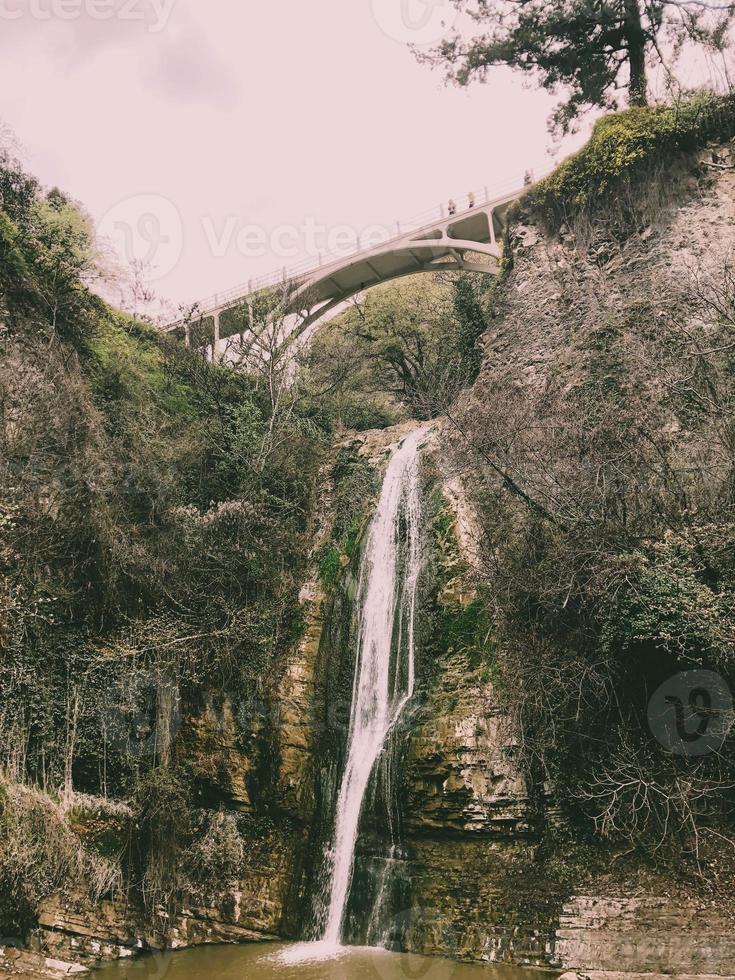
473 830
567 286
595 299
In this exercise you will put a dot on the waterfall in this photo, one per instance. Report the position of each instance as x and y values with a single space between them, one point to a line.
384 668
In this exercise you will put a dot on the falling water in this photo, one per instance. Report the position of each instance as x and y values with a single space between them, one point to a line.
384 670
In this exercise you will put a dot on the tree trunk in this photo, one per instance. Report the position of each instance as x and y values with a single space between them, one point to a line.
636 43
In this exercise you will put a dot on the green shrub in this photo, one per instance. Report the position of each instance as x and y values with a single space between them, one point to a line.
623 145
329 567
670 598
364 415
128 363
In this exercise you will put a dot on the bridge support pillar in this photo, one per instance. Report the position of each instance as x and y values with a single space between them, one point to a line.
215 336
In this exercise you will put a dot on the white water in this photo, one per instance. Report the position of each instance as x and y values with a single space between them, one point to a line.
386 609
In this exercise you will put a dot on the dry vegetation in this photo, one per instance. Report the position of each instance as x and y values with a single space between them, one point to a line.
601 433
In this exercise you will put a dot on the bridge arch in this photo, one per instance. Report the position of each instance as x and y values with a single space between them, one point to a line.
468 241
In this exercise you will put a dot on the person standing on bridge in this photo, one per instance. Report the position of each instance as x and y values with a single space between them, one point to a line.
452 207
471 199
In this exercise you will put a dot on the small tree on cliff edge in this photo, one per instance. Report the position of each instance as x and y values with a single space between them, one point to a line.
592 48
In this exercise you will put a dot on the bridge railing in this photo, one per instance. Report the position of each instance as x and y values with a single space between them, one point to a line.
308 266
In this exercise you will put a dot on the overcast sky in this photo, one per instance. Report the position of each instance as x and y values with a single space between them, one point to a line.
221 139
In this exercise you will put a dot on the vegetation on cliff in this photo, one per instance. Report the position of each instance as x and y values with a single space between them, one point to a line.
628 147
601 434
153 518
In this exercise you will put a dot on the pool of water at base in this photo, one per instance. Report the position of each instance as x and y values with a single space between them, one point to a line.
276 961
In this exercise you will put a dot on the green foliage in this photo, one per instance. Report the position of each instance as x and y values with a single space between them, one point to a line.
361 416
352 537
471 322
625 146
408 348
355 484
591 51
13 265
468 631
450 566
49 256
676 598
18 190
128 363
464 629
329 567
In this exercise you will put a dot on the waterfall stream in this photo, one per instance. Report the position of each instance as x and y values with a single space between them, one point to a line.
384 669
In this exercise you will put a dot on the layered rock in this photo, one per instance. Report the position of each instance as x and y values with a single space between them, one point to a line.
645 934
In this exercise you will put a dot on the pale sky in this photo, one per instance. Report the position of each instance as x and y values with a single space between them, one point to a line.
221 139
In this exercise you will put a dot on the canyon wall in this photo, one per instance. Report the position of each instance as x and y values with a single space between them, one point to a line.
478 885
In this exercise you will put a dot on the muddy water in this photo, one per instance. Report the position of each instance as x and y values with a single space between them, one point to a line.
270 962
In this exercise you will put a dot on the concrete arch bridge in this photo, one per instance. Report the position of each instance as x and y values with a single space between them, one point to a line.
469 240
